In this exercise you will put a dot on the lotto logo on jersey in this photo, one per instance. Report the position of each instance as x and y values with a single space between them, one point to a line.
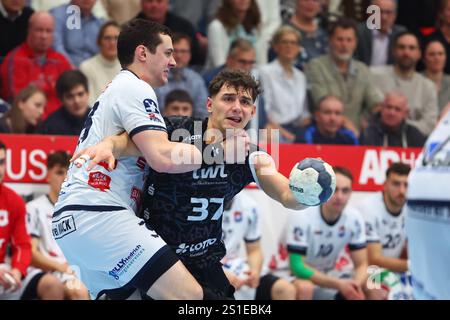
3 218
237 216
99 181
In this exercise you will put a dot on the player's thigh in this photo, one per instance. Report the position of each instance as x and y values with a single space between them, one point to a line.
305 289
176 283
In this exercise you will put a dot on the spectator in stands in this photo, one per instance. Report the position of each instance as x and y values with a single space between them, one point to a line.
314 39
14 16
25 113
235 19
46 254
121 11
178 103
34 62
316 238
158 10
389 127
183 77
103 67
434 57
242 226
337 73
284 86
385 225
375 45
241 56
327 127
76 42
15 282
402 76
443 30
72 89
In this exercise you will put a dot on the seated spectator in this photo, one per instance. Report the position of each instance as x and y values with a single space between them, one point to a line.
14 16
77 43
16 282
34 62
284 86
46 254
434 57
121 11
25 113
235 19
158 11
443 29
402 76
375 45
183 77
327 127
72 89
178 103
338 74
314 39
389 128
104 66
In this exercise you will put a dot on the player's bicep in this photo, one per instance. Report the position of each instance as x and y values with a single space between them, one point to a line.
374 250
155 147
359 257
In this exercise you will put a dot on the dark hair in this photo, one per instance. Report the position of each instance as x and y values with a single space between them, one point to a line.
18 122
229 19
236 79
344 171
327 97
343 23
400 168
428 43
139 32
240 44
178 36
402 34
178 95
68 80
58 158
103 28
2 146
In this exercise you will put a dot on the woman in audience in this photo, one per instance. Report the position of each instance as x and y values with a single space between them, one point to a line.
234 19
434 57
25 113
284 86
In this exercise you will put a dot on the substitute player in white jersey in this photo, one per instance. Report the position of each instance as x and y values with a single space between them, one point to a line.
386 236
94 221
242 223
315 238
428 216
46 254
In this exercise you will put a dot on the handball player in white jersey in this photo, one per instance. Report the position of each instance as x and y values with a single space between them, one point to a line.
94 221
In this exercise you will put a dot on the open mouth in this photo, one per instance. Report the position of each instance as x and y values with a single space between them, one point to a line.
235 119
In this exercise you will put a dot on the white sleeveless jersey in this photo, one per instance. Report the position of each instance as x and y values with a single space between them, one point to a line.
384 227
128 104
308 234
39 223
428 217
240 224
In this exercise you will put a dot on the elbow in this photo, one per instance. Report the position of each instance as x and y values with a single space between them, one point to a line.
163 166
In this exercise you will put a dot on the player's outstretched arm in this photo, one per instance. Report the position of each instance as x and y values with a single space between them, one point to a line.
166 156
273 183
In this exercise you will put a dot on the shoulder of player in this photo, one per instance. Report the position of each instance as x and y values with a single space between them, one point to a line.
127 85
178 122
352 213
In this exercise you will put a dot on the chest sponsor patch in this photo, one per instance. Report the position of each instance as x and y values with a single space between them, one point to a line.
63 227
99 181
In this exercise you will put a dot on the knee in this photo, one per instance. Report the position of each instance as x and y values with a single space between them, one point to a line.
75 290
283 290
50 288
305 289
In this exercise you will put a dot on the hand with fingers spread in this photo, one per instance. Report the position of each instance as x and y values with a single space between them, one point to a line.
99 154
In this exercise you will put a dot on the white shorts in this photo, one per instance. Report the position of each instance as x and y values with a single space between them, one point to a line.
17 294
113 250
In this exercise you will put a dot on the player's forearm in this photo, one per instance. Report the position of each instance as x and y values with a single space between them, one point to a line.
289 201
324 280
40 261
255 261
393 264
122 145
360 274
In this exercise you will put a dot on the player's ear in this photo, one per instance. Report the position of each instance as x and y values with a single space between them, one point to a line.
209 105
140 53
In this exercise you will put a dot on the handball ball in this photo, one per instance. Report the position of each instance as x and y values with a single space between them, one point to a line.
312 181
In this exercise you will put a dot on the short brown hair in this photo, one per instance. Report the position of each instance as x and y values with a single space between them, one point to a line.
400 168
343 23
236 79
344 171
103 28
58 158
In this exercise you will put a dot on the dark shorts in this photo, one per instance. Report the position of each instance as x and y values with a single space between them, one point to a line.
264 290
31 292
214 282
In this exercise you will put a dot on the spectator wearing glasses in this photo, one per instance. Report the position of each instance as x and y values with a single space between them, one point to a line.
284 86
103 67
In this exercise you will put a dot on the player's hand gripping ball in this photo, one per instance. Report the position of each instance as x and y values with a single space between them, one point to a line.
312 181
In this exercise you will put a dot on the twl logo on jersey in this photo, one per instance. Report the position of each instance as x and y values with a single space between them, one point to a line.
238 216
210 172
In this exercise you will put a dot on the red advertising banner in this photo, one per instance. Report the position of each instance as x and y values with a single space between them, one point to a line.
26 157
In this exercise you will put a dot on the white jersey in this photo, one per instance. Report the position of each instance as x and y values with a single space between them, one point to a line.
128 104
39 222
310 235
428 217
384 227
240 224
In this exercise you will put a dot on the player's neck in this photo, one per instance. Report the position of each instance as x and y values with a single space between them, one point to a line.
390 207
329 216
53 196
